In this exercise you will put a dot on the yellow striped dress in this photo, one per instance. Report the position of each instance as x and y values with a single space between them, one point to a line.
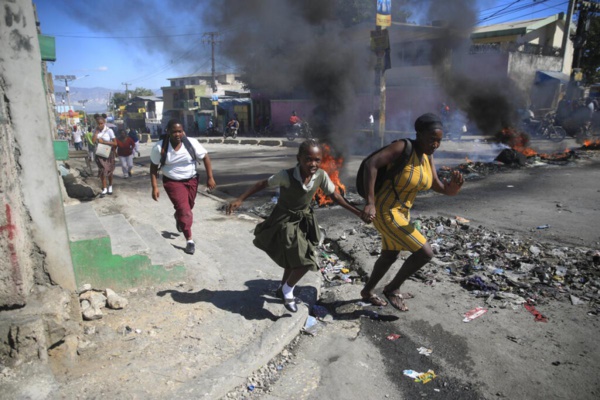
392 218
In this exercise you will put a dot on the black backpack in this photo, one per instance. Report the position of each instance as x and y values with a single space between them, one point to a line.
383 173
165 145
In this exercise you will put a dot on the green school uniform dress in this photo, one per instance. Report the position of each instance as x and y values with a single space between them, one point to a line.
290 235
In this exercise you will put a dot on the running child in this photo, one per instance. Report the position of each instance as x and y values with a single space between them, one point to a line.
290 234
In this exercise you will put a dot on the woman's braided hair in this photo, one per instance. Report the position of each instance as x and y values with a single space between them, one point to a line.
307 144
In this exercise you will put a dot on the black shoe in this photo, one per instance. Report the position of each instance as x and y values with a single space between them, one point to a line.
290 305
279 295
190 248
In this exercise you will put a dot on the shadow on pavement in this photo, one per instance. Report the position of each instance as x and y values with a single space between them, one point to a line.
351 309
248 303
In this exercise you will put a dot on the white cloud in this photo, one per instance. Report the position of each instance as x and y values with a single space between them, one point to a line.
102 68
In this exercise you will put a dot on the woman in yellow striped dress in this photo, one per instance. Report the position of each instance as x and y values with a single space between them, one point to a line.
389 208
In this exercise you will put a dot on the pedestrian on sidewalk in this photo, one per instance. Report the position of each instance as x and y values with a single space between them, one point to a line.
106 165
177 155
125 146
88 138
136 139
290 234
389 207
77 138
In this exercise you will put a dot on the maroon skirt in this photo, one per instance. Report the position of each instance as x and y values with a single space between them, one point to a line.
106 166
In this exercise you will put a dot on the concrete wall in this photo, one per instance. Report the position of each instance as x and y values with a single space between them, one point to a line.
522 68
34 235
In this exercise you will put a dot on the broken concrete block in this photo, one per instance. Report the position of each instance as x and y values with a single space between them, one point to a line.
27 338
96 299
114 301
92 313
86 287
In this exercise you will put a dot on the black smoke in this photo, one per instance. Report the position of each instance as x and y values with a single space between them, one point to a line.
291 48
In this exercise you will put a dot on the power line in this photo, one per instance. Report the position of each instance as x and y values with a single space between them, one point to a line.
499 11
124 37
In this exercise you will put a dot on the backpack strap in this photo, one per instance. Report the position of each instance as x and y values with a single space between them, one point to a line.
187 144
399 164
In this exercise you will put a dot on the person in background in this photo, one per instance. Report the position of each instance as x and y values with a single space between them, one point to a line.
77 138
125 146
290 235
136 139
180 178
389 208
89 142
106 165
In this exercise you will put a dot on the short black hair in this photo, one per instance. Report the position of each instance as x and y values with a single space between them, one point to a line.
428 122
172 122
307 144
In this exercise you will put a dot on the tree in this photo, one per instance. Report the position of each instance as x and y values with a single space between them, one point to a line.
119 99
590 59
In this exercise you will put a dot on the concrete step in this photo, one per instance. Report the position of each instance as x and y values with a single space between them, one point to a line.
83 223
160 251
124 240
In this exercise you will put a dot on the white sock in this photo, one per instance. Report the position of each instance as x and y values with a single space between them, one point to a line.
288 292
104 191
190 241
110 188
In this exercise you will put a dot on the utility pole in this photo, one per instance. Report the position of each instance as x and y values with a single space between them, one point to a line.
126 90
67 79
567 31
211 37
82 102
586 10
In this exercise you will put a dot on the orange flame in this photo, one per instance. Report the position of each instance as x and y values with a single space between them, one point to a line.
332 166
591 144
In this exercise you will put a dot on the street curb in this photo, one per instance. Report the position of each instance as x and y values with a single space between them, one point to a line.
225 377
273 142
221 379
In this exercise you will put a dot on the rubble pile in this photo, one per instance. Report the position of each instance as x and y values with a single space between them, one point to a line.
500 266
92 301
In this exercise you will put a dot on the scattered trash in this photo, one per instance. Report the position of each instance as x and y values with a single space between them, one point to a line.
424 351
319 311
311 326
461 220
510 186
250 388
417 225
539 317
474 313
543 227
426 376
411 374
393 336
575 300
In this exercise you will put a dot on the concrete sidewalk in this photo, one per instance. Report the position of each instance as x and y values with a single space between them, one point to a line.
199 338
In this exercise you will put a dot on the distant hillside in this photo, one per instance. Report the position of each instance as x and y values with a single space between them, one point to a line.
97 98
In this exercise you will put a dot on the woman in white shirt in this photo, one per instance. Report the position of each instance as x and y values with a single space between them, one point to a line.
106 165
176 156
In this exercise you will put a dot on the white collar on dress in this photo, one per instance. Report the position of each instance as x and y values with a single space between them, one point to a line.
298 177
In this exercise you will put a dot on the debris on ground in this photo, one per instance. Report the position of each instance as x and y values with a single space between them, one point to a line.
501 267
474 313
92 301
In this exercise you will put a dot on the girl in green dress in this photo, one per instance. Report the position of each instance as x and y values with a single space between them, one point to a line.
290 234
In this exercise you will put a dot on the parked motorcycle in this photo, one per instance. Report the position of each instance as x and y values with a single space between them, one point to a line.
544 129
302 130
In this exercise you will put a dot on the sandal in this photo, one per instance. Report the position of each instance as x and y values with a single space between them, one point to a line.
396 300
374 300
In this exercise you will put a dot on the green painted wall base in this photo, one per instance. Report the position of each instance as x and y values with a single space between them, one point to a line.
95 264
